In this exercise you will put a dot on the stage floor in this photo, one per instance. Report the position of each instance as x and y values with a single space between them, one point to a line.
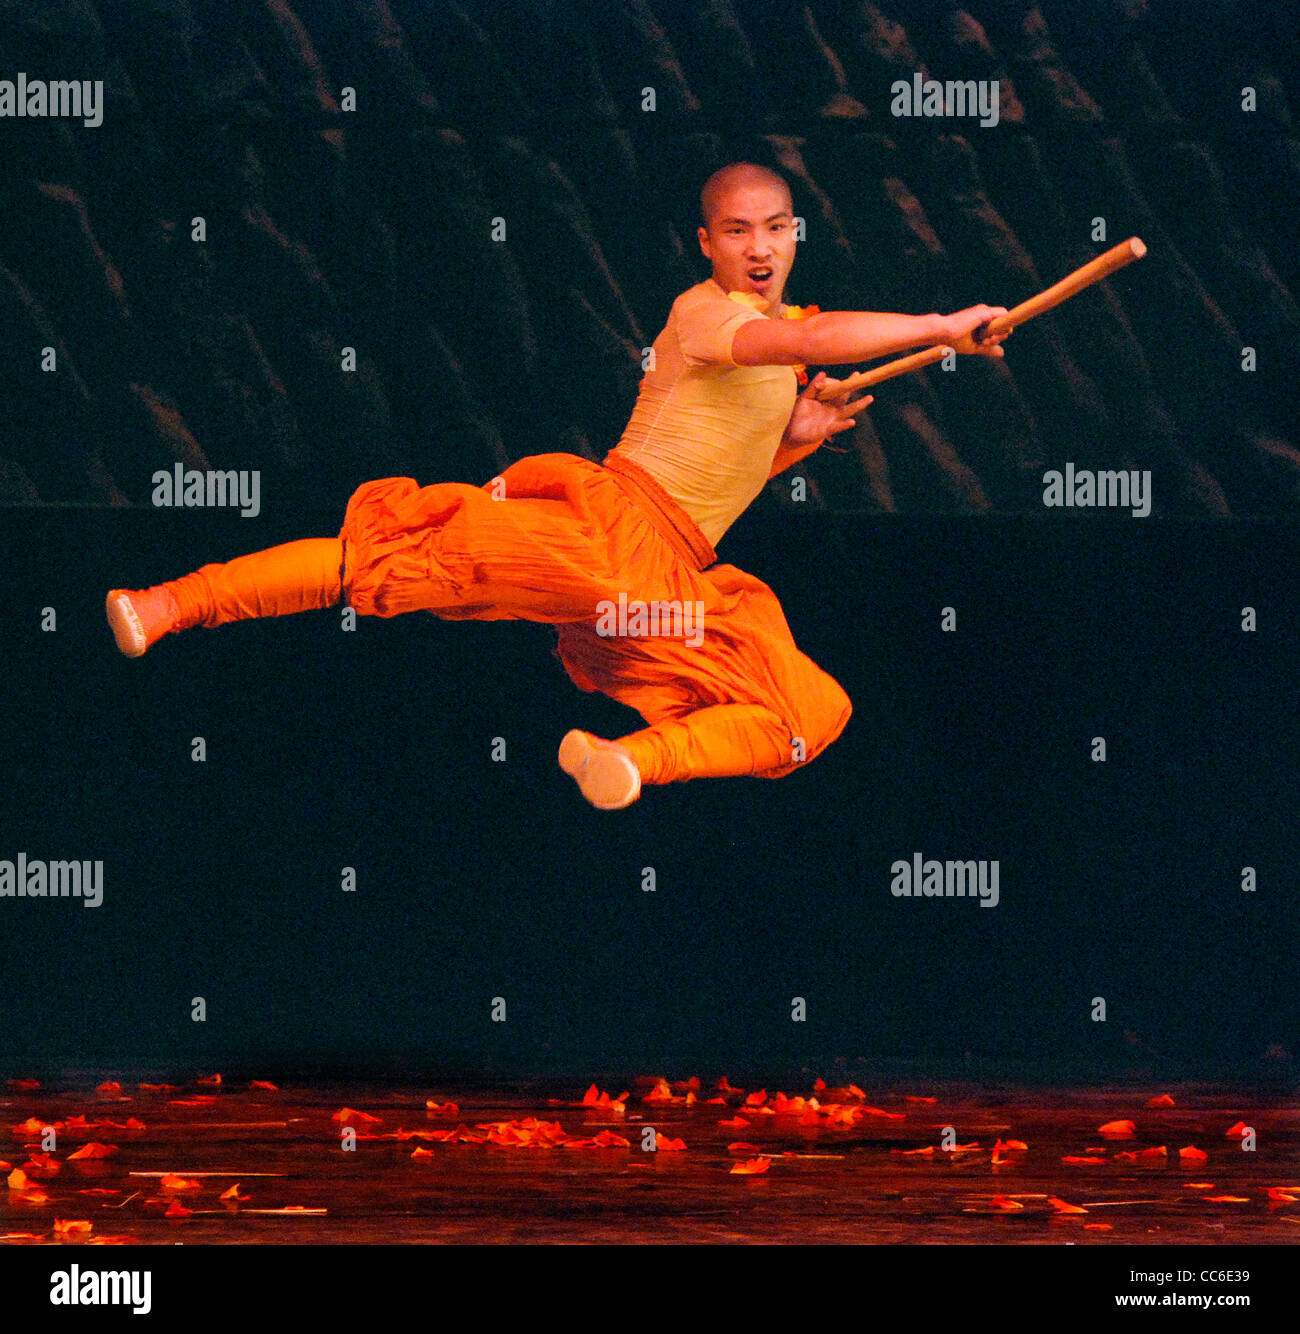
524 1164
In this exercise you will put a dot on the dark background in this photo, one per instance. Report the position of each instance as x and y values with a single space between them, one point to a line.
371 749
477 879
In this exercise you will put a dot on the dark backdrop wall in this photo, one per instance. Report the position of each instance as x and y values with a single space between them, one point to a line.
500 225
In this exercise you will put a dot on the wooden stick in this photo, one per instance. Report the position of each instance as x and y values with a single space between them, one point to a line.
1091 272
903 366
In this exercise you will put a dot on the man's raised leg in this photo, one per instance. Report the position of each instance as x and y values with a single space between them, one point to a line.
293 577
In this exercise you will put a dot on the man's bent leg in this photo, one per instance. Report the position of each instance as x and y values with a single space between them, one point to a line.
721 741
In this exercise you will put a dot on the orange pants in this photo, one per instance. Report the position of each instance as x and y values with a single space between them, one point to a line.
560 539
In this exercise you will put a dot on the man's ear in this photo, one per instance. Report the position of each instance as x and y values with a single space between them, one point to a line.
703 234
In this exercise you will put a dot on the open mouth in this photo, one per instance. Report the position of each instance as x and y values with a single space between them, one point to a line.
760 275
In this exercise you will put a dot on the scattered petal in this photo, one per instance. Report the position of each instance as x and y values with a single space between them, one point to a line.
753 1167
93 1149
264 1084
1118 1128
1062 1207
1164 1100
173 1182
64 1226
34 1127
1191 1154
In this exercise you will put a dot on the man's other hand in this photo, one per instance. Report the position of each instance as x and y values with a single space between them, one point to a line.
813 421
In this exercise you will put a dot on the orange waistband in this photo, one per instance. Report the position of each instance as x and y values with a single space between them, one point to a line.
674 524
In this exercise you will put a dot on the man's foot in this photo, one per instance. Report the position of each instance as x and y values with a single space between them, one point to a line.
605 772
140 617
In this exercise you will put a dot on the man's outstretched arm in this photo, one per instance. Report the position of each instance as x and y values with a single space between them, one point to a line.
839 337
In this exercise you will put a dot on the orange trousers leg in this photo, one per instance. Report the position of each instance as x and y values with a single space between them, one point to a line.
719 741
297 576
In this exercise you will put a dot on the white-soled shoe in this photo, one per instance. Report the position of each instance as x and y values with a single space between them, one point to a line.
603 770
140 617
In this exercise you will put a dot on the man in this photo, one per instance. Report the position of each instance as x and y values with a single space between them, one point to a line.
624 564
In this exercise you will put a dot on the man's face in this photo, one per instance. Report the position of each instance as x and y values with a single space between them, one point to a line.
750 240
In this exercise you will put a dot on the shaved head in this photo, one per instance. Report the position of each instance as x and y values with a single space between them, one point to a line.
733 175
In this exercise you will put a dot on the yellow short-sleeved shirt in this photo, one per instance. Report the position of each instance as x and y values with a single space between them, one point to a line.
706 429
